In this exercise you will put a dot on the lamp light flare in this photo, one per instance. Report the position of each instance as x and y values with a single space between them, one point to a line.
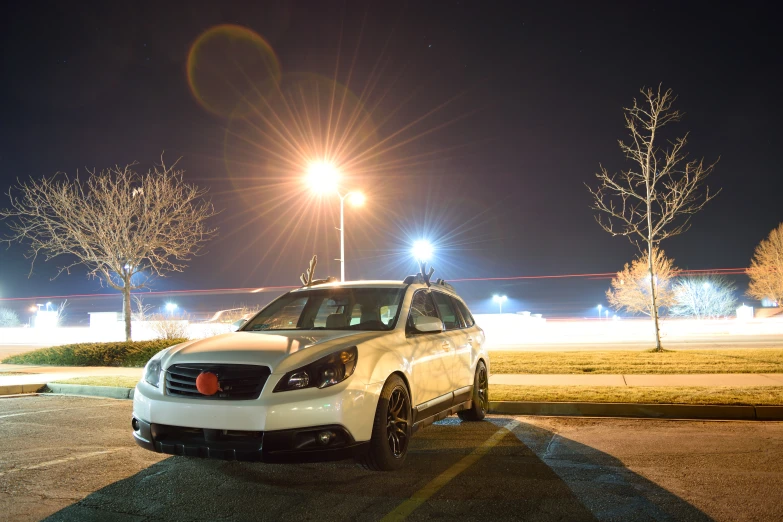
499 299
323 177
422 250
356 199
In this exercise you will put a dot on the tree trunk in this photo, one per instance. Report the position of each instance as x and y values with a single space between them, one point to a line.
654 297
126 308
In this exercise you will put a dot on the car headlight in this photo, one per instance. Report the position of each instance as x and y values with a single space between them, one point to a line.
152 369
326 371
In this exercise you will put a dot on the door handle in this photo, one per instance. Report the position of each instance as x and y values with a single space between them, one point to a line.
446 346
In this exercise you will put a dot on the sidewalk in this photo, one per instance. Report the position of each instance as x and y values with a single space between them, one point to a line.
695 379
13 374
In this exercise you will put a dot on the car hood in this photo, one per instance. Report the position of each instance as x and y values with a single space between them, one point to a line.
264 348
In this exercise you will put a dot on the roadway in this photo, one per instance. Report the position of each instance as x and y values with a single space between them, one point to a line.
72 458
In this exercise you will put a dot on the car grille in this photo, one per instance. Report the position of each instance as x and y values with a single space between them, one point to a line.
237 381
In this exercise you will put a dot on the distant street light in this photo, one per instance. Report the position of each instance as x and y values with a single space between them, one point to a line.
48 304
170 307
324 178
599 311
33 309
499 299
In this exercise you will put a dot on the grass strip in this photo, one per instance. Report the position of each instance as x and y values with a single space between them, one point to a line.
757 360
758 395
119 381
128 354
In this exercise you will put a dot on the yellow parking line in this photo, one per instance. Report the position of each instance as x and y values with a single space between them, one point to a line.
432 487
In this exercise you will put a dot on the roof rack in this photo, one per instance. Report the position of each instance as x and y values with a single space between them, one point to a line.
443 283
423 277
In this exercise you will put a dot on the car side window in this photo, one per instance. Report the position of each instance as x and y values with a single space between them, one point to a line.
447 312
469 321
421 305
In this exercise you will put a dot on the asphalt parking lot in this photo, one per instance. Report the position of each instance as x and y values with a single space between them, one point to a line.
71 458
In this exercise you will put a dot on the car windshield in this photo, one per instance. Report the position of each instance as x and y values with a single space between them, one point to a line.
340 308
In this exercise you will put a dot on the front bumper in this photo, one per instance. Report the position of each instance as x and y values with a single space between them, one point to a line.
293 445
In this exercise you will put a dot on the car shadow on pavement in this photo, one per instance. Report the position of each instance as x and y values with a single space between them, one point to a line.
520 478
602 483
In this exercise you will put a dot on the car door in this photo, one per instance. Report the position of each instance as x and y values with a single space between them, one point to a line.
466 356
452 324
432 359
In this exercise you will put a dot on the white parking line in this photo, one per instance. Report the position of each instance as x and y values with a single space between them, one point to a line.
61 461
58 409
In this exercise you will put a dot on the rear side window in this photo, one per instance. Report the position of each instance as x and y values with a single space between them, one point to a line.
447 312
465 313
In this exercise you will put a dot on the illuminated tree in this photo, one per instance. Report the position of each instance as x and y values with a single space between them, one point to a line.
766 268
655 198
709 297
8 318
118 223
630 289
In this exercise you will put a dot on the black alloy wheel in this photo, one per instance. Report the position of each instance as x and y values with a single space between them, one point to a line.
483 388
480 398
398 422
392 428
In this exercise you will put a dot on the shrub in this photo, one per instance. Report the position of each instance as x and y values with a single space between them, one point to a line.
168 328
8 318
121 353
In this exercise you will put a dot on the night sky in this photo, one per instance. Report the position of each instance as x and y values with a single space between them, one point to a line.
490 118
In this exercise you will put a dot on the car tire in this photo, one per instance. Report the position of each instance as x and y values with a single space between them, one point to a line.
478 409
392 428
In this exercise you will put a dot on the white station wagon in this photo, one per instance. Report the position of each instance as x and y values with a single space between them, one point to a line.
327 371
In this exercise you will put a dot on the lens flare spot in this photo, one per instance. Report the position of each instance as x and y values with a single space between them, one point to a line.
230 66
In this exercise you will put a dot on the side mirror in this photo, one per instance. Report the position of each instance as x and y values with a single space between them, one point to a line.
424 324
236 325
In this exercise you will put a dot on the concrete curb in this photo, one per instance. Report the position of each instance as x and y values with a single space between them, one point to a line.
111 392
650 411
17 389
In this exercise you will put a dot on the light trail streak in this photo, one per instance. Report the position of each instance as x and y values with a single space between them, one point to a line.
255 290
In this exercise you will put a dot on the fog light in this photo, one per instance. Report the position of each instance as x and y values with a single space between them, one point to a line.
325 437
135 425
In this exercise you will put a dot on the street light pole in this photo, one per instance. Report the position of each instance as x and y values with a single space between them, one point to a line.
342 237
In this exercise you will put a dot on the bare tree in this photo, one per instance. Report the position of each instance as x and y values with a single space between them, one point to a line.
61 312
707 297
8 318
766 268
630 289
118 223
656 197
140 308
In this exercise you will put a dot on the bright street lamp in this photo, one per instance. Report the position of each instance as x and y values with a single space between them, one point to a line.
324 178
48 304
422 250
499 299
599 311
170 307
